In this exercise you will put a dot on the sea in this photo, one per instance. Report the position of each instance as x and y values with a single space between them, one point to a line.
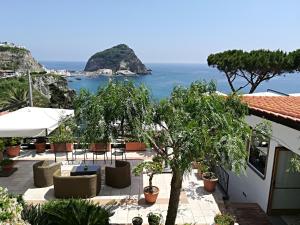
165 77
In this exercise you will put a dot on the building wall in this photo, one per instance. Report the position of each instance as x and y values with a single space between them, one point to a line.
250 187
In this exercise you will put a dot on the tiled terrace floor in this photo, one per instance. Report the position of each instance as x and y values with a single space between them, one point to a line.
196 205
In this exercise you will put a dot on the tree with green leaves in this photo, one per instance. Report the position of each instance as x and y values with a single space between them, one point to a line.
253 67
116 109
195 123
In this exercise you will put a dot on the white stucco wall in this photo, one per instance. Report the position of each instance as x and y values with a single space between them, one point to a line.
251 187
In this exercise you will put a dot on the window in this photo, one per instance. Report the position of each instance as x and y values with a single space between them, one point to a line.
258 153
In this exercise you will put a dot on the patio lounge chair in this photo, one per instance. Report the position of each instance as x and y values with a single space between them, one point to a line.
119 176
43 173
85 186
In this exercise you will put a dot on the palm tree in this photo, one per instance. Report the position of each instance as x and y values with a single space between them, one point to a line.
14 97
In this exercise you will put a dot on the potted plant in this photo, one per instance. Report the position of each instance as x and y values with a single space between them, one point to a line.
133 144
62 138
154 218
13 147
224 219
40 145
7 164
2 145
151 168
210 181
137 220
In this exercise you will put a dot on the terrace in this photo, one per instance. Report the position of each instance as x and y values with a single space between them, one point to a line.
196 205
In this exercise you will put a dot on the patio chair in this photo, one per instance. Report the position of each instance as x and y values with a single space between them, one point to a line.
43 173
85 186
119 176
100 149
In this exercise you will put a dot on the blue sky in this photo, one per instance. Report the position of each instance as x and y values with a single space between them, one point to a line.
158 30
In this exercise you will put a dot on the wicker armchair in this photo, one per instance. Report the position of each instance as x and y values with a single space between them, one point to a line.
43 173
119 176
85 186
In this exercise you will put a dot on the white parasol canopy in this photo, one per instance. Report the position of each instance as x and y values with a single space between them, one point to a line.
32 121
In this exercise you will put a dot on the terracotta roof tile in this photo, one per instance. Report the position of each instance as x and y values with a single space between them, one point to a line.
287 107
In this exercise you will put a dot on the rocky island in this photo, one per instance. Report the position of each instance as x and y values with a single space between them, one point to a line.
119 59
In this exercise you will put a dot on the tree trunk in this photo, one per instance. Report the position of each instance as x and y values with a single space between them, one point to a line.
176 184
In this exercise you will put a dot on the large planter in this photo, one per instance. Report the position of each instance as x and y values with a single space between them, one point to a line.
209 183
40 147
62 147
8 167
150 197
100 147
13 151
135 146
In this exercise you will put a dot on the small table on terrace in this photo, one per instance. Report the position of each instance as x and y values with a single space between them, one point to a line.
80 170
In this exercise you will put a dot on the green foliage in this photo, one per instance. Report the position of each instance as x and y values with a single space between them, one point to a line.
154 218
2 144
15 90
13 141
111 58
224 219
115 110
10 209
261 132
6 162
198 125
150 168
64 133
253 67
294 166
68 212
13 49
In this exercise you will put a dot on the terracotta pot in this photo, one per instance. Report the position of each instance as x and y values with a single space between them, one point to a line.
40 147
8 167
209 184
13 151
100 147
135 146
62 147
1 155
150 197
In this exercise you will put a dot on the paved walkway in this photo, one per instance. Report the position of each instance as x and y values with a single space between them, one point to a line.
196 205
248 214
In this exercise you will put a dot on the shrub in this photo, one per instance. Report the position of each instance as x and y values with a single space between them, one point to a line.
154 218
68 212
10 209
224 219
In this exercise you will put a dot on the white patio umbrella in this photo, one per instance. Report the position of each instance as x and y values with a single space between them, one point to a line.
32 121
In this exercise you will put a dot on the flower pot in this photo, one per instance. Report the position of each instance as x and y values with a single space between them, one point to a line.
135 146
40 147
150 197
100 147
1 155
209 183
62 147
13 151
8 167
137 220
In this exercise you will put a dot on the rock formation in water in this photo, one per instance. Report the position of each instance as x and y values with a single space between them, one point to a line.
117 58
